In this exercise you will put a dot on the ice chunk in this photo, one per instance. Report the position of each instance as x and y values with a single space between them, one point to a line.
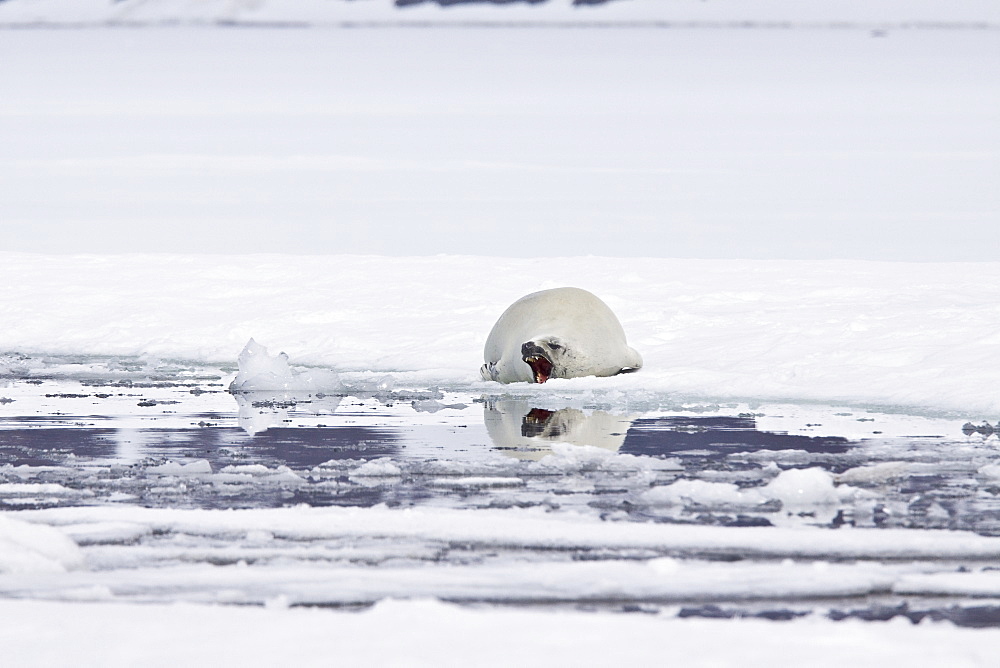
378 468
875 473
433 406
802 487
476 482
260 372
567 457
702 493
18 488
199 467
251 469
107 533
33 548
990 471
795 487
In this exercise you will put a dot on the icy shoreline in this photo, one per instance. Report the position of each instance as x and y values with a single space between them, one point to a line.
917 336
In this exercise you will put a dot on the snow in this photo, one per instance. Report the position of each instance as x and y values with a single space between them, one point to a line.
430 633
535 529
920 336
32 548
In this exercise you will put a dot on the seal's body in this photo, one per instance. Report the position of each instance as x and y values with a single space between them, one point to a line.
559 333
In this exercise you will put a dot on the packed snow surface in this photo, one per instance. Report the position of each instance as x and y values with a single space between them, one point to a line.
922 336
430 633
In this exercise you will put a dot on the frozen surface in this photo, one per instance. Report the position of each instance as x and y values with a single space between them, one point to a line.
921 336
430 633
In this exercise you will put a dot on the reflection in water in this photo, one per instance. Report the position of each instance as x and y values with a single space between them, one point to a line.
295 447
519 430
718 437
259 411
170 447
527 432
407 447
133 444
28 445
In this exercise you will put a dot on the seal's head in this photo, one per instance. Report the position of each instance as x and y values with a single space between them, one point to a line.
552 357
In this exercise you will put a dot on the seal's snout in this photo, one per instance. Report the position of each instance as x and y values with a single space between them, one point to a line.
531 349
536 357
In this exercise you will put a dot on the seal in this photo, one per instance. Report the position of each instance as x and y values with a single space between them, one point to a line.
558 333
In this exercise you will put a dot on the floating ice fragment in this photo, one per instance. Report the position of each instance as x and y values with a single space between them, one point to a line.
12 488
802 487
283 474
259 537
990 471
433 406
568 457
795 487
703 493
198 467
875 473
476 482
251 469
382 467
374 386
260 372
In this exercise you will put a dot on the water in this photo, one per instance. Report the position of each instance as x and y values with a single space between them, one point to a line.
142 439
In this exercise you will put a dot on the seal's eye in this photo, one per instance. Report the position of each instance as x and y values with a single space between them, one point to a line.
554 346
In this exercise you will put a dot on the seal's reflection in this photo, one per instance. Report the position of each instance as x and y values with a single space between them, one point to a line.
521 430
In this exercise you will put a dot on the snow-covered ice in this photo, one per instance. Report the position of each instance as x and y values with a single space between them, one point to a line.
430 633
922 336
252 251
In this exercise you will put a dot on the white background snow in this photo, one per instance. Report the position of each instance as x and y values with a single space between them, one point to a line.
799 209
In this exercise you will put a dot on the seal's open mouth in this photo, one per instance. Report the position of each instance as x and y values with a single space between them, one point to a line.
541 367
536 357
533 424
